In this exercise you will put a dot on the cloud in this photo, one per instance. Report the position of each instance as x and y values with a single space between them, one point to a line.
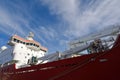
15 19
48 32
74 18
8 23
82 17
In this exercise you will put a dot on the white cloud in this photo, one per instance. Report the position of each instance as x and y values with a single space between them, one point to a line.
8 23
96 14
48 33
16 22
79 18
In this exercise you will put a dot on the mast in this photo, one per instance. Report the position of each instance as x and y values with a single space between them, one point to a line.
30 36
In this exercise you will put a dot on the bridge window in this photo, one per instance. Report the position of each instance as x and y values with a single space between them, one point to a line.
37 45
23 42
31 44
34 44
27 43
18 41
14 39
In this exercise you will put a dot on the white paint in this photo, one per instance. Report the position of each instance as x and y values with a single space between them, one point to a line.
23 54
20 53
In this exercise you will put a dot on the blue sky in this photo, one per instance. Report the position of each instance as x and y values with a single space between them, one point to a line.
56 22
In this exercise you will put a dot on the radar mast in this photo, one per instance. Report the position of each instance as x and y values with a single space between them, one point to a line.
30 36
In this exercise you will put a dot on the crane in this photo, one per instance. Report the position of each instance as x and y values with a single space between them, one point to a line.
80 44
112 30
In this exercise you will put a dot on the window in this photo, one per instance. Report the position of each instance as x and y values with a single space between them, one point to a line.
28 54
31 44
18 41
23 42
37 46
34 44
15 39
27 43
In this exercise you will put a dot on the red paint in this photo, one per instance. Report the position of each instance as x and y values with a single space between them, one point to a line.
98 66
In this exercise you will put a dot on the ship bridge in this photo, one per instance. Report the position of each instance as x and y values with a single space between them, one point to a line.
29 42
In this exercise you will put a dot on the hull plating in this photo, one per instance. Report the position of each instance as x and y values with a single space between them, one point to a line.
98 66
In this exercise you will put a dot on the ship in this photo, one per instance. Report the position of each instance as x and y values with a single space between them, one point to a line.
93 57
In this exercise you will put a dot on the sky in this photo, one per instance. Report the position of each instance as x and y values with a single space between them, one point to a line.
56 22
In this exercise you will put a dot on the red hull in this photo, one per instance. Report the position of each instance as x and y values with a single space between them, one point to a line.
99 66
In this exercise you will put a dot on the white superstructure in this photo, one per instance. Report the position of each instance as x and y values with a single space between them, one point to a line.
27 52
22 51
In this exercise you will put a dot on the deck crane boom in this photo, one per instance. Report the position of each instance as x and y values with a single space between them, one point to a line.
112 30
82 45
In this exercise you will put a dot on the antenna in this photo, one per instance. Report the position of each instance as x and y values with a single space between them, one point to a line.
30 36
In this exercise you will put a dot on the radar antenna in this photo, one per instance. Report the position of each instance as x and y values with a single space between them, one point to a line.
30 36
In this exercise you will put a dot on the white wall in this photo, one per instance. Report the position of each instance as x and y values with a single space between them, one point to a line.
22 53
